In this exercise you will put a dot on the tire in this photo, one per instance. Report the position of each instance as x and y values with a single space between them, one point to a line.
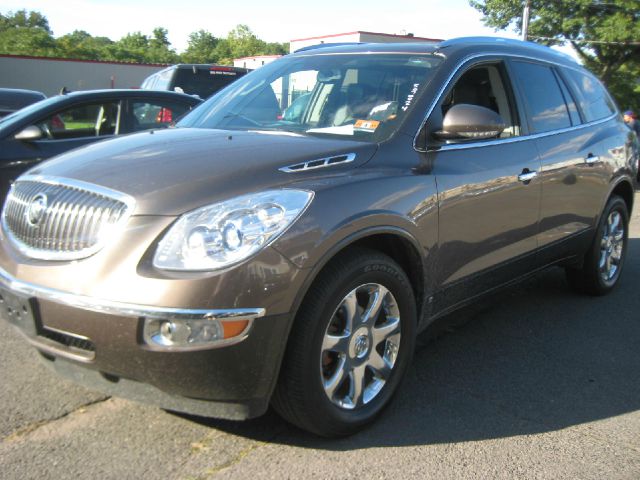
603 262
343 362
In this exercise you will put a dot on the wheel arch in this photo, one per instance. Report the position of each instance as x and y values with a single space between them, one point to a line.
394 242
624 189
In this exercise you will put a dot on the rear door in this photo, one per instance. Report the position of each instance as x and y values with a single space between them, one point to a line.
573 144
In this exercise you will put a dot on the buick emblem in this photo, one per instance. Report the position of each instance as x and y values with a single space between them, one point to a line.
36 209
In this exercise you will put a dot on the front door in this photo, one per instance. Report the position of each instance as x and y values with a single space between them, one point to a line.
62 131
488 193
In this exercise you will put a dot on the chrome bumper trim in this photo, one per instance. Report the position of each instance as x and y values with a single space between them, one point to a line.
125 309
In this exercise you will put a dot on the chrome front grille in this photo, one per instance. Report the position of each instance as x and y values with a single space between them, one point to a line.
62 219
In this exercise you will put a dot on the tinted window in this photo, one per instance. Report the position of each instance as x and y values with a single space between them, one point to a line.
155 114
593 100
87 120
573 110
543 97
485 86
204 82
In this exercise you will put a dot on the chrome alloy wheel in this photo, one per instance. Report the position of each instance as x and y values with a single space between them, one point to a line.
360 346
611 246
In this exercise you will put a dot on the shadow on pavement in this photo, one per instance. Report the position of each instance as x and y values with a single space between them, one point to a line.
533 358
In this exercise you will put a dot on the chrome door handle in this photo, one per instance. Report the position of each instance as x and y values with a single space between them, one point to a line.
526 176
592 159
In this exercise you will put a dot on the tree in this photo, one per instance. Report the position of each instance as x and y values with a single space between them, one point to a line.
137 47
160 50
201 48
28 33
242 42
130 48
274 48
81 44
25 33
605 34
24 19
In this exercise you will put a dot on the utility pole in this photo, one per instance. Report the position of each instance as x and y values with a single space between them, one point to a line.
525 21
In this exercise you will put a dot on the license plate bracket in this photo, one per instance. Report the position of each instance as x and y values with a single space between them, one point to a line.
19 311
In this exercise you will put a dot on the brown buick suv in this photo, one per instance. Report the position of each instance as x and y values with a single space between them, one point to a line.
285 243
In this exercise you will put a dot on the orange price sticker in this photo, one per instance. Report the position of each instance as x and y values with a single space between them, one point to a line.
366 125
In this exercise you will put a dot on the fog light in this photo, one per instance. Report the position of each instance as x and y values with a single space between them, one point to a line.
191 333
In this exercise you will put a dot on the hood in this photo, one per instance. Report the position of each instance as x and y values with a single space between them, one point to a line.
172 171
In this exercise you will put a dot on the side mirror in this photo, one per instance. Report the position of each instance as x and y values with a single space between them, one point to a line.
464 121
30 133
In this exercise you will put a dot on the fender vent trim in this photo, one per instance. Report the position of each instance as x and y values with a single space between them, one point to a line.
319 163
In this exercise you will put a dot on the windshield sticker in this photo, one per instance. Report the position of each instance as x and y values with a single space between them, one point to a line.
409 99
366 125
339 130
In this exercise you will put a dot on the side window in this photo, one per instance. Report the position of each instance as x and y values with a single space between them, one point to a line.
293 93
487 86
543 97
88 120
594 101
146 115
571 105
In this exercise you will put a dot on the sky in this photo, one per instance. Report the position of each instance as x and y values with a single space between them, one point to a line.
272 21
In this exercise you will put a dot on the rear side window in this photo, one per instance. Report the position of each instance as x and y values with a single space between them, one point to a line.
591 95
543 97
155 114
573 110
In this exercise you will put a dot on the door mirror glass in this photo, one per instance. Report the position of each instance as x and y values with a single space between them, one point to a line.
30 133
465 121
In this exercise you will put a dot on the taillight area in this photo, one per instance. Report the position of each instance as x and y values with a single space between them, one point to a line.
165 115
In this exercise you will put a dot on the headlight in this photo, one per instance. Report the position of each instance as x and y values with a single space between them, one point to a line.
226 233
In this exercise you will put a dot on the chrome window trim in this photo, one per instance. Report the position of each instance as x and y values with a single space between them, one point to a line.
468 59
111 307
521 138
40 254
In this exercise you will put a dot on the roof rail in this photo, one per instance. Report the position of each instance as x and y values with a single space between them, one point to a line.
324 45
506 41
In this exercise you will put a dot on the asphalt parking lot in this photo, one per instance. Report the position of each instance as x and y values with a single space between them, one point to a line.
536 382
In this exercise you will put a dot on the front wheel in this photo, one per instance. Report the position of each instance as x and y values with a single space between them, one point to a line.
604 260
350 346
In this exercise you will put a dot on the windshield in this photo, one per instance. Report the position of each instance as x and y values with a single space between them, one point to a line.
361 96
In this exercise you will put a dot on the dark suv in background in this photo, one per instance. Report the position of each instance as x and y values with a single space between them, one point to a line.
193 79
250 256
13 99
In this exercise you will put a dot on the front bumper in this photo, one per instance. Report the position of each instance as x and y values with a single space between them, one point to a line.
99 343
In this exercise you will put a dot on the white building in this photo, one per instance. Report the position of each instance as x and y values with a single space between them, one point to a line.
49 75
254 62
358 37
